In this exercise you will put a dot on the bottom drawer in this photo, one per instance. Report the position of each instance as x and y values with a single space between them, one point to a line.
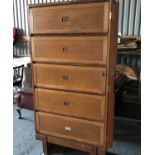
74 129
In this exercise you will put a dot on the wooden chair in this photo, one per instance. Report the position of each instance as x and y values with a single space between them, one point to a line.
18 75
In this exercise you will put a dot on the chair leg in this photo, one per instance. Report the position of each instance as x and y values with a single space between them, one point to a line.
19 113
17 98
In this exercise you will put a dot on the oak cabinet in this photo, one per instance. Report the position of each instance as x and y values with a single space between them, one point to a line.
73 53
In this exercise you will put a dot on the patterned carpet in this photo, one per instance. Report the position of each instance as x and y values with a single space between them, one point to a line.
127 139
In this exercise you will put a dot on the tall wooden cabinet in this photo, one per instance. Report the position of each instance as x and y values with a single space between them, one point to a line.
73 51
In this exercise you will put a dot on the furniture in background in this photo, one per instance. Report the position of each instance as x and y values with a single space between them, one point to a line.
74 48
18 75
24 100
17 81
128 99
27 75
22 95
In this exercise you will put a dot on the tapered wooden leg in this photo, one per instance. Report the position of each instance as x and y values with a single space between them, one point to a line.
45 146
101 151
93 151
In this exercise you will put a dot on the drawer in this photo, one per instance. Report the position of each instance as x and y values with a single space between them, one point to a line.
72 104
73 78
79 18
85 50
70 128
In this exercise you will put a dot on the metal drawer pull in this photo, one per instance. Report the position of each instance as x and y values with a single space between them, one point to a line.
65 77
65 19
65 49
66 103
68 128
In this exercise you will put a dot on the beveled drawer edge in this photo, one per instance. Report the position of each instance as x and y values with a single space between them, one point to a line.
68 34
87 68
71 116
71 63
72 91
66 3
69 89
70 37
67 117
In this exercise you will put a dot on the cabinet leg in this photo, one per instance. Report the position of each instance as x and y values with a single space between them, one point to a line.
101 151
93 151
45 147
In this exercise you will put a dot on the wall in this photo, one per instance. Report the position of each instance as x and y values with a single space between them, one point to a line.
129 19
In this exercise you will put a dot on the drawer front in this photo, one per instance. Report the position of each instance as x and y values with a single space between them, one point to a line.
72 104
70 128
86 50
81 18
74 78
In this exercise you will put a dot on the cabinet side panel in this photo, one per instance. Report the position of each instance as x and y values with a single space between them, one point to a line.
111 72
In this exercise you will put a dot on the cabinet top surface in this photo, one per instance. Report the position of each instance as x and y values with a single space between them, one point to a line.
67 2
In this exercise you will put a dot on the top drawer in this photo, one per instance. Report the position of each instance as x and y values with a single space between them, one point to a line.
75 18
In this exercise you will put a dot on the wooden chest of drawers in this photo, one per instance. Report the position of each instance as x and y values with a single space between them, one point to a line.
73 51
